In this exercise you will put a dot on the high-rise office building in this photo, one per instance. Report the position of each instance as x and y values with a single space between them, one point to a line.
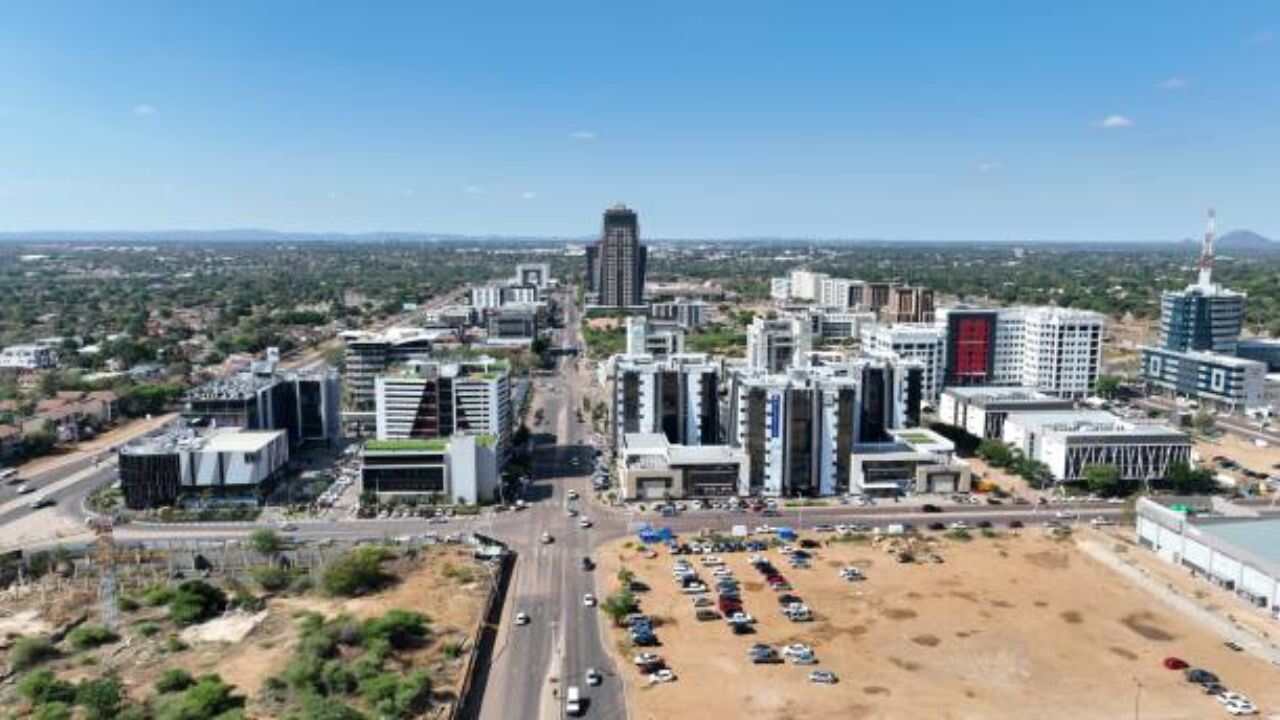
922 343
907 304
677 396
425 400
1057 351
775 345
616 264
798 429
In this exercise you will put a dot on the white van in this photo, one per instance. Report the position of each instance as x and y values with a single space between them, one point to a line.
573 701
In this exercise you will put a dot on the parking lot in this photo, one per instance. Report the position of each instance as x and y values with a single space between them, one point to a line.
1000 627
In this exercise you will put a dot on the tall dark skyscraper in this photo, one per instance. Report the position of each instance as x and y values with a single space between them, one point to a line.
616 264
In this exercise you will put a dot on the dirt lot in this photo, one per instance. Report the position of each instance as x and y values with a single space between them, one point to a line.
1009 627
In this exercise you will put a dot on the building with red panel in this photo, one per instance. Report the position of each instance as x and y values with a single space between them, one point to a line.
971 347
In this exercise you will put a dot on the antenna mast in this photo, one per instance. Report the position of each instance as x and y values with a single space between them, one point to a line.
1206 252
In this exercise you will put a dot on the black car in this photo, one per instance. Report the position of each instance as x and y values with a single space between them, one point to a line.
1015 523
587 564
43 503
930 508
937 526
984 523
1200 675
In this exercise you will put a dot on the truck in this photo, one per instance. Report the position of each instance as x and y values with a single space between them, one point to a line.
573 701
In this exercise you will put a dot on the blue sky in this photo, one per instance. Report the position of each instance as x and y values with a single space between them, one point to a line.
964 120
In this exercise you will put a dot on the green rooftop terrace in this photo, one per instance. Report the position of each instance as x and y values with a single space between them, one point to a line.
433 444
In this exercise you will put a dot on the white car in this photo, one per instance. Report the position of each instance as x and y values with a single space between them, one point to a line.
646 658
804 659
1240 708
589 600
723 572
796 649
712 561
1233 697
547 539
959 525
823 677
584 523
1065 515
851 574
593 676
24 489
573 495
662 676
522 618
740 618
694 589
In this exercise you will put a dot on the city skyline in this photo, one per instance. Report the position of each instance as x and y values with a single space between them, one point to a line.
985 123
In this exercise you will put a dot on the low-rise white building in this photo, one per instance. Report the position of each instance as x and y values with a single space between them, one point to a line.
651 468
981 410
29 357
462 468
1068 442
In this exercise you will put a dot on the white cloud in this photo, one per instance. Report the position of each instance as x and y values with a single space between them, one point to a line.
143 110
987 167
1174 83
472 189
528 195
1115 121
583 135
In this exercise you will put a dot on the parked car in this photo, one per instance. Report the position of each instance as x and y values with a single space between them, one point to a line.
936 526
1173 663
823 677
930 508
647 659
706 614
796 649
1199 675
1233 645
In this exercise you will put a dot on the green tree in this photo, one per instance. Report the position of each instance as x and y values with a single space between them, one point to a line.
619 605
1184 479
1104 480
208 699
996 453
265 541
1107 386
174 680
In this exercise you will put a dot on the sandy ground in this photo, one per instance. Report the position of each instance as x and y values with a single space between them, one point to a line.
24 622
1016 627
230 628
452 607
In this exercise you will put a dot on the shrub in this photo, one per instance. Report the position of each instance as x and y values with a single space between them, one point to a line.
148 629
391 696
356 573
209 698
174 680
318 708
265 541
52 711
401 628
42 686
337 679
301 584
196 601
271 578
959 534
87 637
157 595
452 650
619 605
126 604
175 644
27 652
100 698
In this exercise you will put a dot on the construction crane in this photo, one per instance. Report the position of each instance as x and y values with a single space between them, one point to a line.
105 557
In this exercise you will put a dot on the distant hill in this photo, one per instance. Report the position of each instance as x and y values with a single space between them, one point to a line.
1246 240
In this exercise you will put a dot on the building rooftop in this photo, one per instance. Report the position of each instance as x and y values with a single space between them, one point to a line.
704 454
1091 422
241 386
244 441
983 394
418 444
1259 537
648 443
1209 357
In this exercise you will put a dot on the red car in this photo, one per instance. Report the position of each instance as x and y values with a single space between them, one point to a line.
1173 663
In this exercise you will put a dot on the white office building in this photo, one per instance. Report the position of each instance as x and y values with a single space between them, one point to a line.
924 344
428 400
537 275
677 396
484 297
1070 441
463 468
780 288
656 339
806 284
776 345
836 292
